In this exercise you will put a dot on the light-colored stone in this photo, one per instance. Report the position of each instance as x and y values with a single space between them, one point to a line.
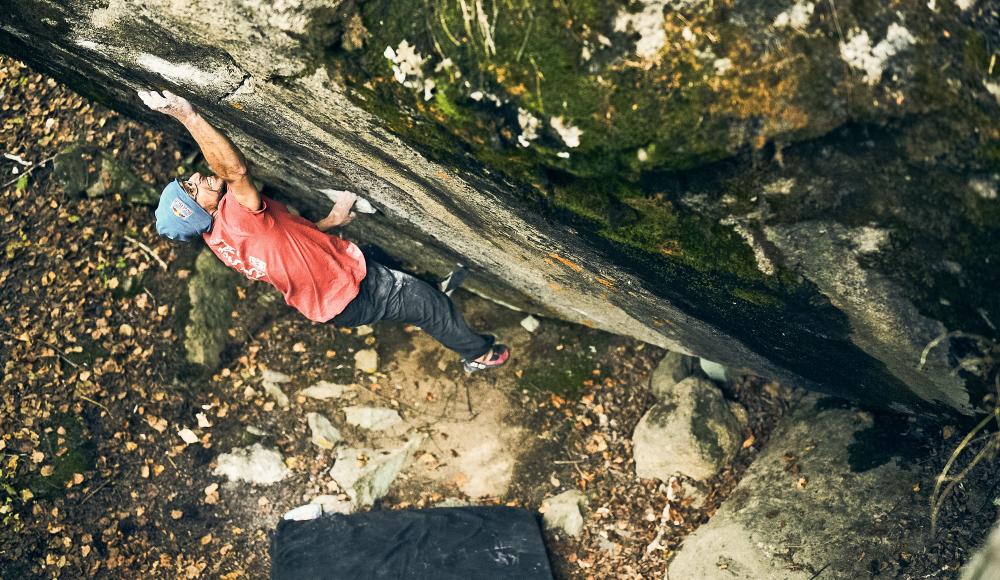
530 323
690 432
275 392
366 360
324 390
562 512
253 464
366 474
332 504
372 418
269 376
324 434
740 412
188 436
364 330
713 370
985 563
788 524
303 513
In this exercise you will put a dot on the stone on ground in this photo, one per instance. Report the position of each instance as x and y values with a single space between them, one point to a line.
672 369
332 504
212 293
366 360
530 323
691 431
372 418
269 376
366 474
562 512
324 434
324 390
253 464
985 563
275 392
71 167
801 507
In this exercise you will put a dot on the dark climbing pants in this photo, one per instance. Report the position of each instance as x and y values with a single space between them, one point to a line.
392 295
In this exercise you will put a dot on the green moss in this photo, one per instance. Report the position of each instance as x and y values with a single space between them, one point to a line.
75 454
561 372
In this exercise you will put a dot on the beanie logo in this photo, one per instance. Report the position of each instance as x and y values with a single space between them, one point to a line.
180 209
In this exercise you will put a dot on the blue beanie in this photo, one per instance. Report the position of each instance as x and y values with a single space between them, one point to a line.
179 217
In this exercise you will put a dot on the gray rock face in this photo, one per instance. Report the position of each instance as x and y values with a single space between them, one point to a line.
605 210
691 432
212 291
802 507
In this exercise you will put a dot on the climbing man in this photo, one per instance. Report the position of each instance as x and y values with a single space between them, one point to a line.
324 277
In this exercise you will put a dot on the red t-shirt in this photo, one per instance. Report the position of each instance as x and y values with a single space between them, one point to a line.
317 273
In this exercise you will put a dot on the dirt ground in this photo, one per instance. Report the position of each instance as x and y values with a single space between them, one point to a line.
97 482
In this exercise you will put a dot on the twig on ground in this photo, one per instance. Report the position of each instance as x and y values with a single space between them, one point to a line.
95 490
61 354
149 251
89 400
28 171
937 496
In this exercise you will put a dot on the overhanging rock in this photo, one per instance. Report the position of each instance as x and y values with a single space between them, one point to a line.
762 186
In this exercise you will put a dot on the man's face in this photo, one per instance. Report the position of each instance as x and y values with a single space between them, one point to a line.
206 191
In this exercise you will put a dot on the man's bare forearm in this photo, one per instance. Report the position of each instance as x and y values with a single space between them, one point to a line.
222 156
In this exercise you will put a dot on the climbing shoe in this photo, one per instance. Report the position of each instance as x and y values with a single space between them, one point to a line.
498 356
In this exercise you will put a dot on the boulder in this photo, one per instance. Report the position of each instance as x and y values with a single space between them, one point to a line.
691 431
817 502
212 292
792 197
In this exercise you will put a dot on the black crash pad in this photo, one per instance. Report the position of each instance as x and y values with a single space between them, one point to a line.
433 544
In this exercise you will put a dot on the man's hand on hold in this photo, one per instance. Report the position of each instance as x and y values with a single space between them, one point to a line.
167 103
341 214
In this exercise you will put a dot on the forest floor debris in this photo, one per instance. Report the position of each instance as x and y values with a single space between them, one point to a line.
95 479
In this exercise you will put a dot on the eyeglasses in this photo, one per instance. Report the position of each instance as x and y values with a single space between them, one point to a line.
190 189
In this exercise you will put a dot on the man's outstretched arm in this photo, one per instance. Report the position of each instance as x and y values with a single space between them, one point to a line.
222 156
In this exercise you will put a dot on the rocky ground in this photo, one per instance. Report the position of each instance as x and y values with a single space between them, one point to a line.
112 441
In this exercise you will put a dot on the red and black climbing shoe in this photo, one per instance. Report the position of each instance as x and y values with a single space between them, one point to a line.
498 355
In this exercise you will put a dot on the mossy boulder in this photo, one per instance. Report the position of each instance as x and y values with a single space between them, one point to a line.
803 189
212 292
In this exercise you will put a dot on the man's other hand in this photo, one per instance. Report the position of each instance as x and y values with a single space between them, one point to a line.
167 103
341 214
